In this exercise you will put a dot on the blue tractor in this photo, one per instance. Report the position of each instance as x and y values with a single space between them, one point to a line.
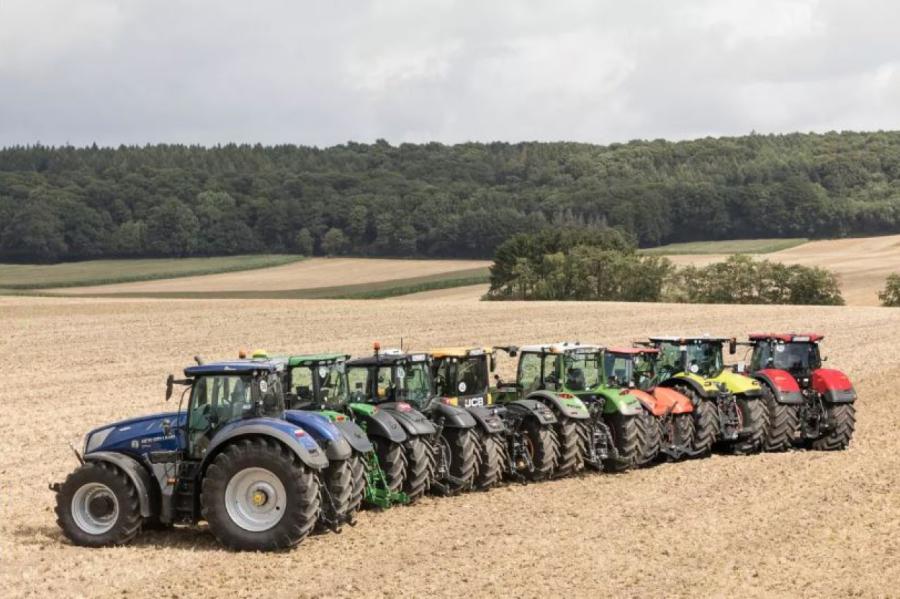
230 458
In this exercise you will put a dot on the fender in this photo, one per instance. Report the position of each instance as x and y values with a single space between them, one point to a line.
675 402
487 419
782 385
412 420
323 431
563 404
652 404
617 401
354 435
148 494
454 417
696 387
533 408
293 437
378 423
833 385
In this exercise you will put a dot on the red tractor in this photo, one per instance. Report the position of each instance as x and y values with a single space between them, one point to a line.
807 404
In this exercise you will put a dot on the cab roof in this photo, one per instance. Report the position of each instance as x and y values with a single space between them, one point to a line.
307 359
632 351
688 338
559 347
787 337
387 357
232 367
460 352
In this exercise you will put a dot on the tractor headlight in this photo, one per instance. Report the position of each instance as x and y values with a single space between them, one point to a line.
95 440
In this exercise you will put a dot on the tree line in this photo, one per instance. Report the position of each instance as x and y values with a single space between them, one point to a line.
579 265
435 200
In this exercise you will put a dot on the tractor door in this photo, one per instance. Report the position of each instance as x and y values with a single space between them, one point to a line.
215 401
530 376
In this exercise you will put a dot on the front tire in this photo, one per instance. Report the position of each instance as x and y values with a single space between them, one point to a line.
98 506
843 419
784 423
258 496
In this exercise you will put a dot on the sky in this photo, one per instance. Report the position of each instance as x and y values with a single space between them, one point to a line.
326 72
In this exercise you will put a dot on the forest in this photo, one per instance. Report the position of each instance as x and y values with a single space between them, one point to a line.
434 200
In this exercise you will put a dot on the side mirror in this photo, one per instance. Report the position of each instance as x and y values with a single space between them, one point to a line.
170 386
732 346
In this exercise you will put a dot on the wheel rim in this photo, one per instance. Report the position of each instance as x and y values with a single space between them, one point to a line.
255 499
95 508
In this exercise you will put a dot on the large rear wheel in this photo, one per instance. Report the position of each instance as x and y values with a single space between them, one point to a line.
489 459
257 496
624 431
463 458
648 438
571 451
784 422
541 446
419 467
392 460
681 433
755 419
97 505
843 420
706 425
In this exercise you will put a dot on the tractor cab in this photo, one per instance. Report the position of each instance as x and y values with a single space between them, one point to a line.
793 353
565 367
631 367
317 382
700 356
225 392
462 375
391 376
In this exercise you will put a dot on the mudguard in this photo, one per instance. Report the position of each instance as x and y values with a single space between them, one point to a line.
564 404
323 431
293 437
619 401
652 404
698 388
675 402
454 417
833 385
534 408
487 419
147 492
782 384
412 420
354 435
378 423
738 384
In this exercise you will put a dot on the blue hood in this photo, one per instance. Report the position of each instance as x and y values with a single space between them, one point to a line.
130 435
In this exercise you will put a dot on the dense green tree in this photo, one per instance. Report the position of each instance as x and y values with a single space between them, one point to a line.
171 230
304 242
890 295
334 243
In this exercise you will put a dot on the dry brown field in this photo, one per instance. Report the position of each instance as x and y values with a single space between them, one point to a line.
306 274
795 524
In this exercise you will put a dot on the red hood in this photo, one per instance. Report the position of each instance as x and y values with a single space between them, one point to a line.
826 379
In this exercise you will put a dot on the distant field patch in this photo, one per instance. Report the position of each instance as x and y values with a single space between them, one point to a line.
107 272
728 246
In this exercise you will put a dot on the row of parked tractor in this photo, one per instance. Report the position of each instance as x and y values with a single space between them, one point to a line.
269 449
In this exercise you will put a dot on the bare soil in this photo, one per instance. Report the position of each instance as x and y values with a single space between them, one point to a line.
802 523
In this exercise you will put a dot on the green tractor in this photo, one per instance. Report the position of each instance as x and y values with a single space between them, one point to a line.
316 384
623 431
515 439
728 407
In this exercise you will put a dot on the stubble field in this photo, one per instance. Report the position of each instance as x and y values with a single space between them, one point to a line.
802 523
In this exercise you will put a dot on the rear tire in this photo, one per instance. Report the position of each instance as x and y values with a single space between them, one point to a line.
419 467
648 438
843 418
784 423
252 470
358 470
571 452
463 456
541 444
392 461
682 431
98 506
624 431
489 459
755 418
706 425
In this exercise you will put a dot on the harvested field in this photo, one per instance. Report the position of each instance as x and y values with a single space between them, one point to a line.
803 523
309 274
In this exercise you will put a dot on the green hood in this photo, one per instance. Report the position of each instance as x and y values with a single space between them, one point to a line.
617 400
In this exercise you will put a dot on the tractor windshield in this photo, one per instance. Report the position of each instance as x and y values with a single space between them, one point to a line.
794 356
582 370
413 383
705 359
461 376
619 369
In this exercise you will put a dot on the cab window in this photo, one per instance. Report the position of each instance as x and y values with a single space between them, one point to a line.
302 383
357 379
215 401
529 375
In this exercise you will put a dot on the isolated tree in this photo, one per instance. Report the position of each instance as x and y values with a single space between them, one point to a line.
890 295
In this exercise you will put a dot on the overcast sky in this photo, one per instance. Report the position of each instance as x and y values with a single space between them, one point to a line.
322 73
